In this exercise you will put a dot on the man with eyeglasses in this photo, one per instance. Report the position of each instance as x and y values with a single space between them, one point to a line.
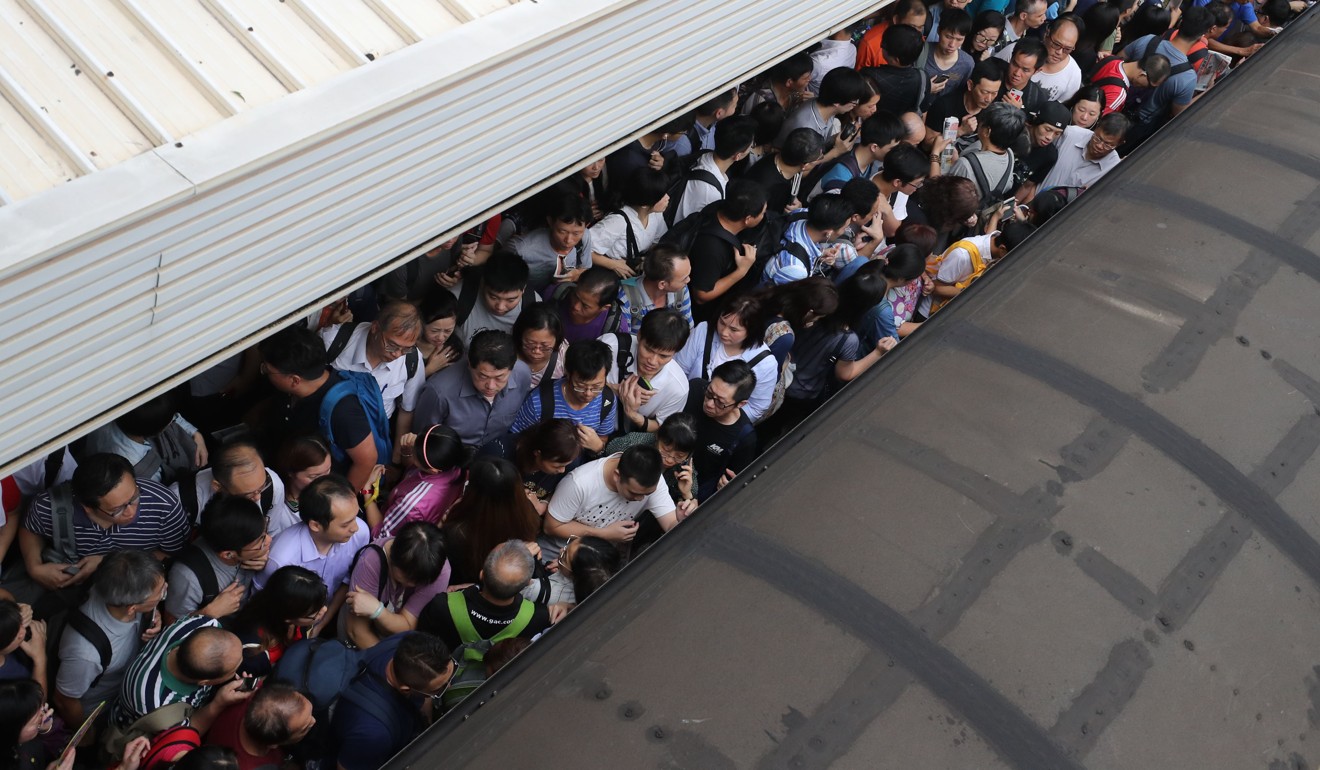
581 395
481 400
104 508
726 439
1085 155
211 576
1060 76
387 350
237 470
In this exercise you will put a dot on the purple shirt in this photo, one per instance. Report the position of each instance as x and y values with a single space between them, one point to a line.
420 497
295 546
396 597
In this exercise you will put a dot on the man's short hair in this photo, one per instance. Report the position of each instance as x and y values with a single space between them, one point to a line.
235 455
742 199
419 660
507 569
504 271
905 164
769 117
586 358
1115 124
801 146
829 212
564 203
902 45
1026 8
641 464
840 86
1004 123
230 522
721 101
1156 66
1030 46
270 711
126 577
148 418
737 373
991 69
601 282
296 351
1221 13
203 654
956 21
665 330
645 186
861 193
1279 12
314 502
658 264
1012 234
96 475
734 135
403 316
1067 19
1195 22
882 128
494 347
791 68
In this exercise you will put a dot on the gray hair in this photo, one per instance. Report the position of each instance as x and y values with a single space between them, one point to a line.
507 569
126 578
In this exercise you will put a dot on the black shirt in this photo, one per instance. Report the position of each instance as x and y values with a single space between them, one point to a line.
901 88
712 259
348 421
488 619
778 190
719 447
950 105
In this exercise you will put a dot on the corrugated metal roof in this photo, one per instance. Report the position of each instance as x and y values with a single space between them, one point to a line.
87 84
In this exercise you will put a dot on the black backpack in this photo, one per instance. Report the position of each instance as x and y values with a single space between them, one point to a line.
768 238
95 635
194 560
546 392
340 342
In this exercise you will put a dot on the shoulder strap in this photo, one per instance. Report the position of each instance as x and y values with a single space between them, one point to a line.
612 317
623 357
384 565
188 497
458 612
705 357
196 562
1110 82
1007 179
519 623
550 369
93 634
410 362
340 342
758 358
630 237
606 402
467 298
799 251
61 522
702 175
546 391
922 59
982 184
54 463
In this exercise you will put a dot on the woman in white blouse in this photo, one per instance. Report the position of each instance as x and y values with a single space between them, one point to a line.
618 240
739 332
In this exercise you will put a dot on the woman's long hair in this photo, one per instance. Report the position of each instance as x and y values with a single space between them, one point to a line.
494 508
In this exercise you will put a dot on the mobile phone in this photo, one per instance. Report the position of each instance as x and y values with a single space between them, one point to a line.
938 79
1009 203
471 238
642 381
848 130
72 569
248 684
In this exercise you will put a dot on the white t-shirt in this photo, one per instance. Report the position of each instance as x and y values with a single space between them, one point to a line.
1060 86
957 265
670 385
698 194
609 236
583 497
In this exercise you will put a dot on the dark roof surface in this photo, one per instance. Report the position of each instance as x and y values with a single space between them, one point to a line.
1072 523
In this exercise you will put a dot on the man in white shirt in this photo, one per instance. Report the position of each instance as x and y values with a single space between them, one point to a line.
387 350
1059 76
1086 155
603 498
710 176
837 50
238 470
651 386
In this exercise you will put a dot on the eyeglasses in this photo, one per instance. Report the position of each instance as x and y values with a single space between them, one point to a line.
587 390
393 349
116 513
673 458
537 347
1065 49
1104 144
721 405
559 560
255 496
915 184
985 39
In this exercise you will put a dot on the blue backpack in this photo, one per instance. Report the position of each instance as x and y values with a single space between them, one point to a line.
367 390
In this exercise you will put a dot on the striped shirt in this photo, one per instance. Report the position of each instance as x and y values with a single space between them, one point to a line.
160 523
148 684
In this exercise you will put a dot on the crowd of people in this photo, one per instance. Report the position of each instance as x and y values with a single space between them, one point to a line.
310 551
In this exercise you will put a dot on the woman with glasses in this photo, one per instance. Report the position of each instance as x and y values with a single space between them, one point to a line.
24 719
288 609
539 336
987 29
584 565
738 333
493 509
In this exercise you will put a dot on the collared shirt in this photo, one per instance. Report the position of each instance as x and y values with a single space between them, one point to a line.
450 398
159 524
831 54
149 684
295 546
392 376
1073 168
281 517
635 303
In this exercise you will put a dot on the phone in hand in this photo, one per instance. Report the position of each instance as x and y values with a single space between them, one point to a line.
470 238
940 79
248 684
1009 203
